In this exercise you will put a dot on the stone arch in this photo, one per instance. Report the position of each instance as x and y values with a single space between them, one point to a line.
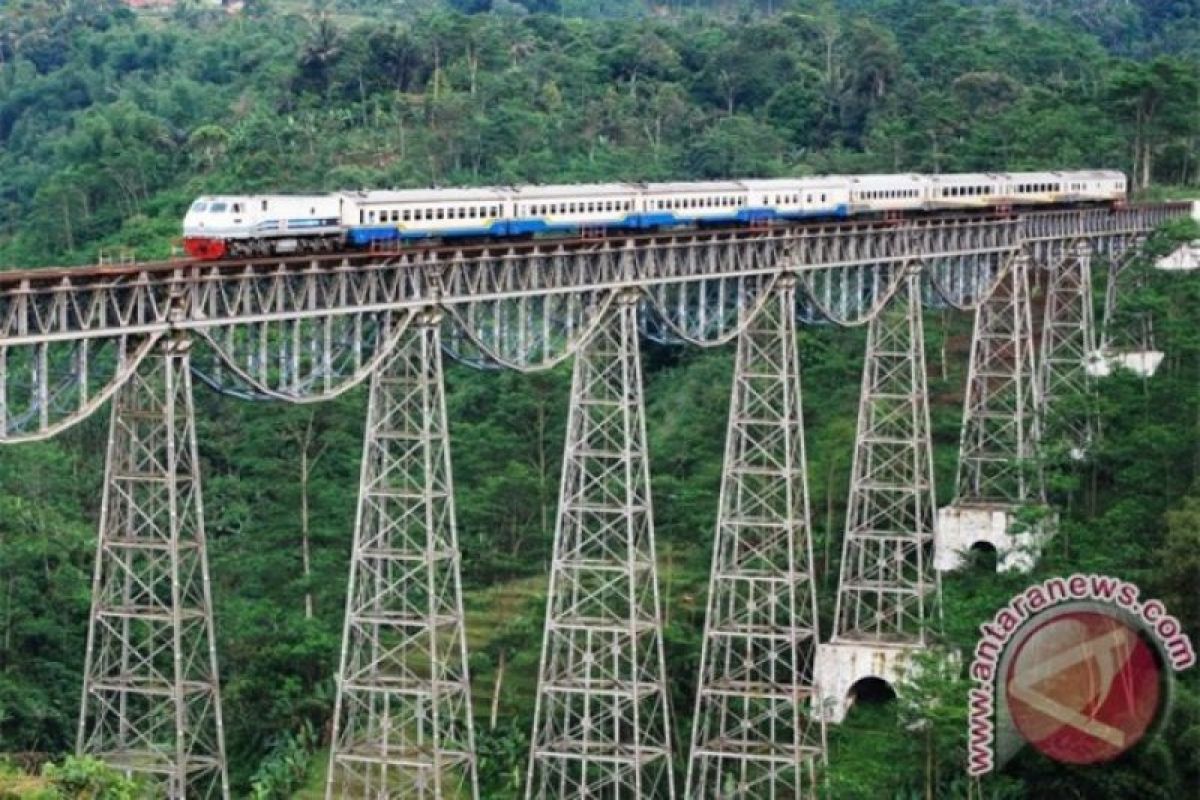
983 556
870 690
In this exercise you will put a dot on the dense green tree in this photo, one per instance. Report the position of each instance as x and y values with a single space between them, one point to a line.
112 122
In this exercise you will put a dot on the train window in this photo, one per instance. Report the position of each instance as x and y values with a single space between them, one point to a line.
199 206
822 197
237 208
264 205
441 213
360 216
370 216
217 208
407 215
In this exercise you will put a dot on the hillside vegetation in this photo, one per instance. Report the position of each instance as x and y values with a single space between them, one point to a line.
110 123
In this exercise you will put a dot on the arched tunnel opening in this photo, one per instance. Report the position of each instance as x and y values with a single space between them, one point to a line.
871 692
982 557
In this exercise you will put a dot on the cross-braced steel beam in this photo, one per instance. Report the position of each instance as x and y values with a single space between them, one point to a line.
151 699
402 723
1001 425
1067 348
887 589
752 736
601 722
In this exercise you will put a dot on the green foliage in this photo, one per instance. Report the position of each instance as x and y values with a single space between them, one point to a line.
89 779
286 766
110 123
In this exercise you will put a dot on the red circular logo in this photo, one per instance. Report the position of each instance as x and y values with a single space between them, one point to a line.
1084 687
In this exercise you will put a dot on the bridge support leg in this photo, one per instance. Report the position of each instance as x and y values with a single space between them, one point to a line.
886 590
601 723
402 722
998 469
752 735
1126 341
1068 348
151 698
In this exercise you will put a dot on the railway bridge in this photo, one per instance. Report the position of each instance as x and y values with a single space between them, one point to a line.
304 330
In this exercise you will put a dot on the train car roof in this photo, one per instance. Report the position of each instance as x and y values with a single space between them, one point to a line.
530 191
213 198
880 178
1093 174
425 195
785 183
678 187
966 177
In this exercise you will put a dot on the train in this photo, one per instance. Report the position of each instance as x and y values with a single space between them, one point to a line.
246 226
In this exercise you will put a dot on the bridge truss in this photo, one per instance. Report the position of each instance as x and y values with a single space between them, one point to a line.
307 329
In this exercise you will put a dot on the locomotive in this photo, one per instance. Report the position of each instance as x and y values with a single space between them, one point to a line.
238 226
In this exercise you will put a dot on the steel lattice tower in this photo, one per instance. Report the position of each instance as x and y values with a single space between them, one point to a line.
1001 425
752 736
886 589
151 699
402 724
1068 345
886 582
601 723
998 469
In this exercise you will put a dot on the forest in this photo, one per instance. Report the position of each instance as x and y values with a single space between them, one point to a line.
112 121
